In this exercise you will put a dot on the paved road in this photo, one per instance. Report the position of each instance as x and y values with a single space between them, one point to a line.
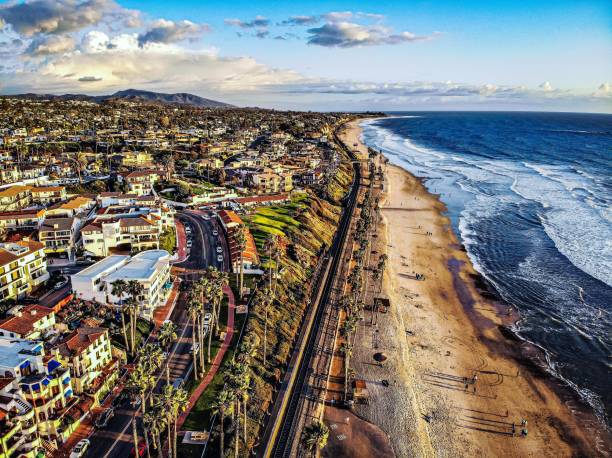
116 439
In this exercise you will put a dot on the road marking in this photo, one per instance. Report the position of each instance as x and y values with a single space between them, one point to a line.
118 439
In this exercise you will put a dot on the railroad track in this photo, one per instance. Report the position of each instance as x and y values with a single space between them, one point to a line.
283 434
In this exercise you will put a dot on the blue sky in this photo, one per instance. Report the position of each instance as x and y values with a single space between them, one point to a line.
318 55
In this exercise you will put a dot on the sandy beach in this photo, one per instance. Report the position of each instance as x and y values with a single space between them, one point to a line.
458 384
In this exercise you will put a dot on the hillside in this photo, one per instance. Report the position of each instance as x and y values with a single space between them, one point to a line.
181 98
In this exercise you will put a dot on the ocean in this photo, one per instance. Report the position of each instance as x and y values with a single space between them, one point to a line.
530 196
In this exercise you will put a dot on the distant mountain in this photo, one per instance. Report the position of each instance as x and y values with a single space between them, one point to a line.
181 98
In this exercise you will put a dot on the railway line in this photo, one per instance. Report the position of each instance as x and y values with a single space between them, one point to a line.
304 384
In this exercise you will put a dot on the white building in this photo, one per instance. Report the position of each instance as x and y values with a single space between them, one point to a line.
150 268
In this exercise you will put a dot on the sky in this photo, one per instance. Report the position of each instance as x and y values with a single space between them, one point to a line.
318 55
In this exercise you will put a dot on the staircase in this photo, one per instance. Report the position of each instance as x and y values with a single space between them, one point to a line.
50 447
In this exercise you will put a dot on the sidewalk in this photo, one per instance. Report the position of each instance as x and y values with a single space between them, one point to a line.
161 314
181 242
212 371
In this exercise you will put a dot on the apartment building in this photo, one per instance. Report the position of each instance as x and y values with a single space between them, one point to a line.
150 268
103 236
36 398
230 222
48 195
28 322
59 236
141 182
23 266
76 206
136 159
22 219
15 198
87 352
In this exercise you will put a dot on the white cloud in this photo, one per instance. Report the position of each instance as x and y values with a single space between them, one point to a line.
348 35
58 16
603 91
164 31
257 22
50 44
546 86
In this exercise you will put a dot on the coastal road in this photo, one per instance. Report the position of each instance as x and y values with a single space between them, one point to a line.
116 439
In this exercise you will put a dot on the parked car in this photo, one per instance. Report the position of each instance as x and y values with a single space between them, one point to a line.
220 258
215 232
80 448
189 243
207 318
104 418
219 249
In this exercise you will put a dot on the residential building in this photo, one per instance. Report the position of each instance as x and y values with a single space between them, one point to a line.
230 222
150 268
29 322
22 267
22 219
104 236
36 397
59 236
87 352
136 159
15 198
141 182
212 195
48 194
79 205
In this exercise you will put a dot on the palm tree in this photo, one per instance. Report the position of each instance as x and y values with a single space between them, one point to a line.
234 380
315 437
167 335
140 382
193 310
241 244
222 404
266 299
119 288
131 308
154 421
80 162
174 402
135 290
347 350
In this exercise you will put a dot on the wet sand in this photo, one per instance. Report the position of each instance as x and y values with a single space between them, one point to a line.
458 381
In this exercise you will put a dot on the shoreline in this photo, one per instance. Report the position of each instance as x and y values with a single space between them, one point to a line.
461 329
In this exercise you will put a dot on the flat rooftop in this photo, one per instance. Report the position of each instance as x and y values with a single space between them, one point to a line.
141 267
14 351
106 264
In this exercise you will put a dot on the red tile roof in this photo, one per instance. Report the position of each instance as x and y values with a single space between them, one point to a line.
79 339
24 324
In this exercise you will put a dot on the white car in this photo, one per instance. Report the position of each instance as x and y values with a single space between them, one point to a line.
219 249
207 318
189 243
215 232
188 229
220 258
205 216
79 449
